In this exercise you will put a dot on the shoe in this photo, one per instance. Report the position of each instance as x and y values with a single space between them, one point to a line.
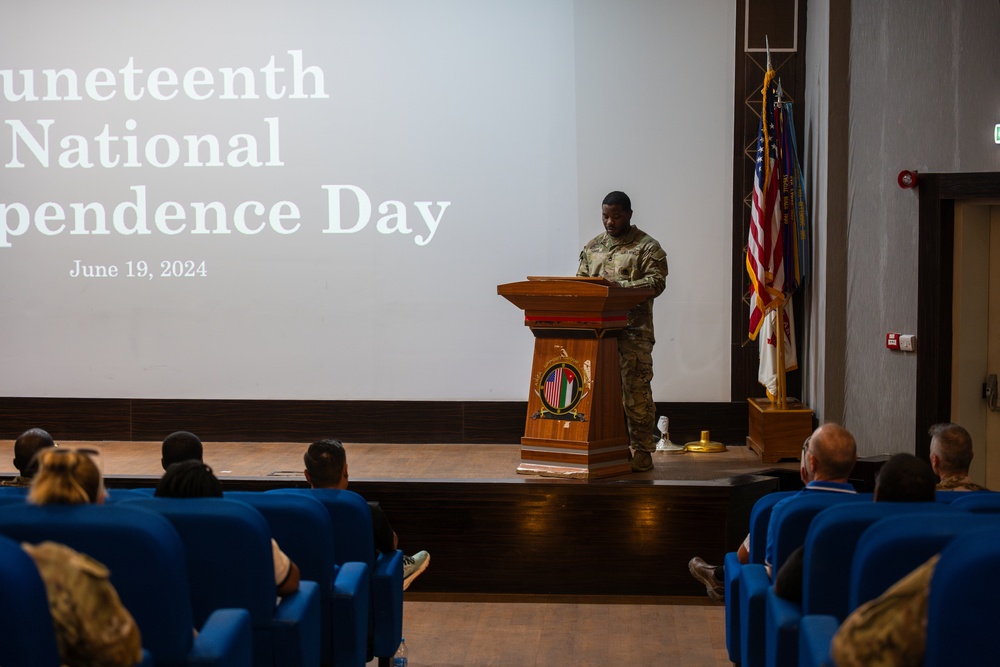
413 567
641 461
705 573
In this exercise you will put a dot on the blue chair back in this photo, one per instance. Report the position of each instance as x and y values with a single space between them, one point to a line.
142 551
14 491
948 496
790 520
961 616
760 516
227 547
893 547
984 502
830 542
27 633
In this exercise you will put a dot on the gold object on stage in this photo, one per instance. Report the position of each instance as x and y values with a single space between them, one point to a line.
705 445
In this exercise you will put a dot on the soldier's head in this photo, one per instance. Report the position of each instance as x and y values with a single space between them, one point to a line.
616 213
326 465
828 454
189 479
951 450
26 448
66 476
180 446
905 479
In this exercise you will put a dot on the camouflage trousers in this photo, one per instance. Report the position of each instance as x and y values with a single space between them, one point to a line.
636 359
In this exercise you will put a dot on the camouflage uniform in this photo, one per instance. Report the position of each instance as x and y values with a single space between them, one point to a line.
92 626
633 260
958 483
891 629
16 481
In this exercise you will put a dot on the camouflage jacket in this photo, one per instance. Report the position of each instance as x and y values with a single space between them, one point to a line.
93 628
633 260
958 483
891 630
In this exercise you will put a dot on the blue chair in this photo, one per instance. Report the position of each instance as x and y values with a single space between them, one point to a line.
14 491
829 549
760 515
888 550
27 633
148 570
788 525
227 547
117 495
985 502
948 496
961 609
355 543
303 528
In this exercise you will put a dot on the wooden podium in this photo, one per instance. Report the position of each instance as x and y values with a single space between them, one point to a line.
575 426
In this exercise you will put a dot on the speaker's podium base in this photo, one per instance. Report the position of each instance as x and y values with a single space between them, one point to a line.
573 460
777 434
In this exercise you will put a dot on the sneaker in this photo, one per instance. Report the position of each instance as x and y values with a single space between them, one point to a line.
705 573
641 461
413 567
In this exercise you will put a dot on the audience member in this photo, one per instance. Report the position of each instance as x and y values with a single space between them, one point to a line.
180 446
828 456
951 456
326 468
194 479
27 445
902 479
92 626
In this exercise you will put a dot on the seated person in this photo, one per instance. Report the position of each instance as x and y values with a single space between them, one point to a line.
27 445
951 456
194 479
326 468
902 479
180 446
92 626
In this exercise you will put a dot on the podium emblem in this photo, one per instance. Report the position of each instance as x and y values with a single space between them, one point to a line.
560 387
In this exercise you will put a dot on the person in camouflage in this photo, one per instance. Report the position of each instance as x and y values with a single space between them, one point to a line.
26 446
92 626
625 255
889 630
951 456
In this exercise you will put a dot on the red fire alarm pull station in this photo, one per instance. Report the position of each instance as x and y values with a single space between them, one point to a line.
892 341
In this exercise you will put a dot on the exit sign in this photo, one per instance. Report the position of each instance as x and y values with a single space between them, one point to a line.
996 134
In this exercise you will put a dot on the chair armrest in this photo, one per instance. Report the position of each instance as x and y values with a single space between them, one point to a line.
754 583
296 625
387 603
781 636
226 640
732 568
350 605
815 634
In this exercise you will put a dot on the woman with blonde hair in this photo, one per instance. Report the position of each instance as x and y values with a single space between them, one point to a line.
93 628
66 476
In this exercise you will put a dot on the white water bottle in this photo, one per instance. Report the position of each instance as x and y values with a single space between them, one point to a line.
400 659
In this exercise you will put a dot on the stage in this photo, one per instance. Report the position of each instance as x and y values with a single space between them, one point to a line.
492 531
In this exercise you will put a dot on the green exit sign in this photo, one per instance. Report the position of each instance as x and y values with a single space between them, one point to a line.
996 134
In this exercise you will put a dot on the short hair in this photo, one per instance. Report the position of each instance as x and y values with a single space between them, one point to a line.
189 479
325 461
617 198
954 447
835 450
905 478
66 476
26 448
180 446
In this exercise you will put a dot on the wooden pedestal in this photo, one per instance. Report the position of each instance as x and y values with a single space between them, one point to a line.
778 434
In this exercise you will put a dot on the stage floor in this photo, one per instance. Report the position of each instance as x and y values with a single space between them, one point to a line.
410 462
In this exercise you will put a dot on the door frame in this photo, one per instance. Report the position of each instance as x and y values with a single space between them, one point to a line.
935 284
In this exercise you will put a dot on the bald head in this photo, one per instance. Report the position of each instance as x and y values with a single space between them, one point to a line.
26 446
830 454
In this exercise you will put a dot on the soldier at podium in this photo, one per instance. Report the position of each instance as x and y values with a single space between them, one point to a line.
625 255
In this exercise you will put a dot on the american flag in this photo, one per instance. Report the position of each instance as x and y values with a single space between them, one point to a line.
765 251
